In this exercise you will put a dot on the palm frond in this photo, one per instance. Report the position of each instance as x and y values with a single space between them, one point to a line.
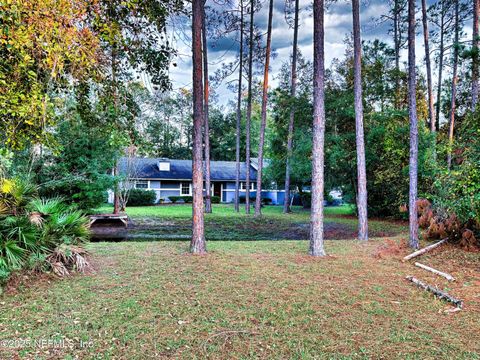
68 257
13 254
47 206
20 230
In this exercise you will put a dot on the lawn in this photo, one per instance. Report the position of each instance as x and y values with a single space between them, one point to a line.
247 299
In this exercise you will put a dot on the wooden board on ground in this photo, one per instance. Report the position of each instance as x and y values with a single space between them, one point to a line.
435 271
123 218
439 293
424 250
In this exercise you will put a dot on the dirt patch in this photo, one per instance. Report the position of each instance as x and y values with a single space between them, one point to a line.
20 281
270 231
390 248
250 228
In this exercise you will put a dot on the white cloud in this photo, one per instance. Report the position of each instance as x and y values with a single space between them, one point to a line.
338 25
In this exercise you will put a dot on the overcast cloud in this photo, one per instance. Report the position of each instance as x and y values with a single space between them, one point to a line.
338 25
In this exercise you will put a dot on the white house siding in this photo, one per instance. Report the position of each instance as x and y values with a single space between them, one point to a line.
164 189
164 194
154 184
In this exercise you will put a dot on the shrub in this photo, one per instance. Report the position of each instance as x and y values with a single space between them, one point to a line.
266 201
31 229
242 198
454 207
306 198
330 200
139 197
174 199
187 199
215 199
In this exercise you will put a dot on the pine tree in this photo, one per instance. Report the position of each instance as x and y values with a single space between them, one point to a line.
197 245
318 154
360 140
291 123
239 115
412 114
206 127
263 124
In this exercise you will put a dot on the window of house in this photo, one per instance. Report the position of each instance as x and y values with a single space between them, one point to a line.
141 184
185 188
243 185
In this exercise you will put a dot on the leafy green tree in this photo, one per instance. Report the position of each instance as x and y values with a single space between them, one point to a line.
386 132
79 169
301 152
168 125
458 191
43 44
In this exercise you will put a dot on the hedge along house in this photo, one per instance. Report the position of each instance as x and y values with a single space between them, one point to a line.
169 177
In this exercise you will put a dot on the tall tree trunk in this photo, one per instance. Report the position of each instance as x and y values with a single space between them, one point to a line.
454 89
239 115
197 245
431 115
116 195
440 67
476 10
263 124
206 127
316 217
412 113
293 89
396 42
361 163
249 109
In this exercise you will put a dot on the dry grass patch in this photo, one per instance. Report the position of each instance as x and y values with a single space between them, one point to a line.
248 300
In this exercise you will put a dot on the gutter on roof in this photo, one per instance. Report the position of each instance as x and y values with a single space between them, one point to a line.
175 179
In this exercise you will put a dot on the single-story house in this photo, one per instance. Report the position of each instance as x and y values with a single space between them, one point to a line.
171 177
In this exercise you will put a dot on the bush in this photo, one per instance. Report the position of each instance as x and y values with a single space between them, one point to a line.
453 210
187 199
31 229
215 199
330 200
139 197
242 198
266 201
306 200
174 199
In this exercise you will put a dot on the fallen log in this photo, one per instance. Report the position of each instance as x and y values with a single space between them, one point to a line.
424 250
435 271
437 292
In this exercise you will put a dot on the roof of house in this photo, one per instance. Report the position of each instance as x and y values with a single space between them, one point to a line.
147 168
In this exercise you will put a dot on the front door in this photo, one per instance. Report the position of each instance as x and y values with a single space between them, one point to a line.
217 190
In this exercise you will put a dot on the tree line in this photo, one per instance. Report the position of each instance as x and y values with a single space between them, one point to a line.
400 11
98 85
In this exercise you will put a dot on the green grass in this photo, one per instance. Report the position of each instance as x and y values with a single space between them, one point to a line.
221 210
246 299
243 300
